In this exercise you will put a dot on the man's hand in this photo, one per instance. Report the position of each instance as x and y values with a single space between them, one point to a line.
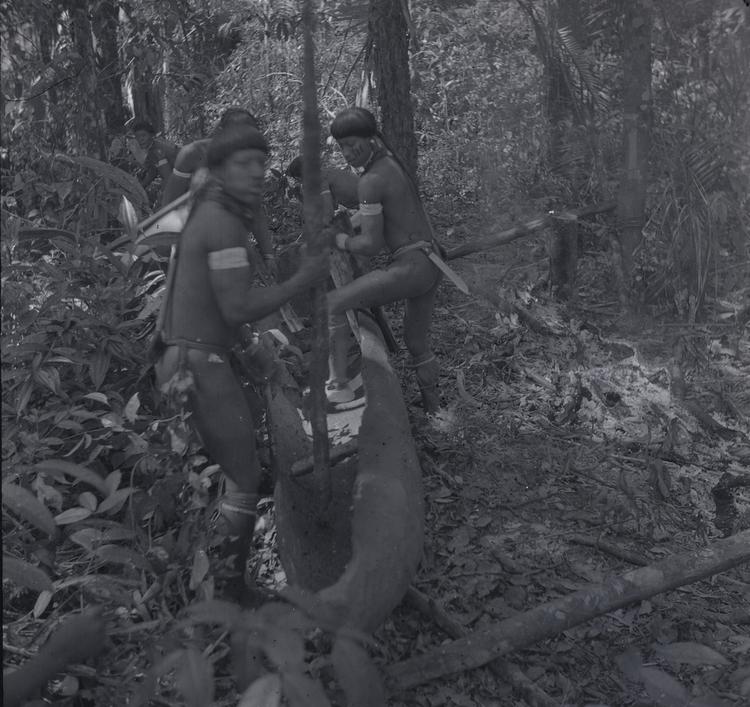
312 269
78 638
271 266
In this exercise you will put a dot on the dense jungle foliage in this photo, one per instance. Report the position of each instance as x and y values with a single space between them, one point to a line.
519 108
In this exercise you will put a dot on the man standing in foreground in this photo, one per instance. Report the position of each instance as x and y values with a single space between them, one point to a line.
189 170
211 297
392 218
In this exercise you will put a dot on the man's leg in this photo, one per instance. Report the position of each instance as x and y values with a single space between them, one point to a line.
412 277
417 321
222 418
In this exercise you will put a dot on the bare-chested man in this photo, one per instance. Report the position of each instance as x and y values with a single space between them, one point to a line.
392 219
212 296
160 153
190 167
338 187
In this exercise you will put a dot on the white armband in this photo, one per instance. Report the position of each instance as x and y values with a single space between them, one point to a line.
184 175
371 209
228 258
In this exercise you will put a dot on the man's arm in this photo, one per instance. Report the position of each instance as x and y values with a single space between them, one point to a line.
178 181
162 166
230 273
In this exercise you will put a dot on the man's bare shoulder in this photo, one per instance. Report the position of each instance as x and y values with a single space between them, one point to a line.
211 227
372 186
191 156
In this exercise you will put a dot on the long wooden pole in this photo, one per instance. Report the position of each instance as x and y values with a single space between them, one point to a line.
525 229
313 210
481 647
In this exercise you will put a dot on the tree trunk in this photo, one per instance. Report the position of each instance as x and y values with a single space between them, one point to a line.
565 149
389 31
636 133
89 123
480 647
108 66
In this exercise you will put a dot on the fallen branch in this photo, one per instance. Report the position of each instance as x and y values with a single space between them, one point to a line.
527 228
483 646
337 453
509 672
610 549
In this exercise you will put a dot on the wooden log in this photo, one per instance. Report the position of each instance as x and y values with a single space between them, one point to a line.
506 671
547 620
362 561
526 229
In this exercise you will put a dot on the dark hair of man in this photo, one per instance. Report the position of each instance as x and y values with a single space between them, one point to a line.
354 122
294 170
232 139
143 125
237 116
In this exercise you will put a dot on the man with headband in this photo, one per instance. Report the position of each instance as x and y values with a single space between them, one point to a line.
189 170
210 297
392 218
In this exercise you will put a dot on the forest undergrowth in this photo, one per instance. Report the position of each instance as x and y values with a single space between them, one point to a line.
576 444
572 426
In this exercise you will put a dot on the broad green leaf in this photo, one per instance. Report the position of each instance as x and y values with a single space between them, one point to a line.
24 504
98 367
113 421
99 397
691 654
87 500
200 568
49 378
87 538
114 501
23 574
72 515
131 409
302 691
42 602
195 679
122 556
81 473
264 692
117 532
112 482
357 674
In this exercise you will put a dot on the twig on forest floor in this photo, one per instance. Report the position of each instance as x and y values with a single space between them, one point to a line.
529 501
609 548
501 668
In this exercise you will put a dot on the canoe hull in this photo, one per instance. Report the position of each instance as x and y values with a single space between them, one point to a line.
365 554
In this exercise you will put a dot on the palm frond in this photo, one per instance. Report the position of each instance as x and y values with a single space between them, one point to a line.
584 66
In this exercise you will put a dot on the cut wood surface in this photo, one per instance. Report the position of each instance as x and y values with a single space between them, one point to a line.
482 646
363 558
526 228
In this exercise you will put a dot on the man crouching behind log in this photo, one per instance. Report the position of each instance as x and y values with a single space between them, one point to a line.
210 295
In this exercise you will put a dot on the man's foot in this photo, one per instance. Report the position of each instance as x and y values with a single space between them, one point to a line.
346 395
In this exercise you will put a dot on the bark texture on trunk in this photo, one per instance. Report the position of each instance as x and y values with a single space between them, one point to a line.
480 647
389 31
636 133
